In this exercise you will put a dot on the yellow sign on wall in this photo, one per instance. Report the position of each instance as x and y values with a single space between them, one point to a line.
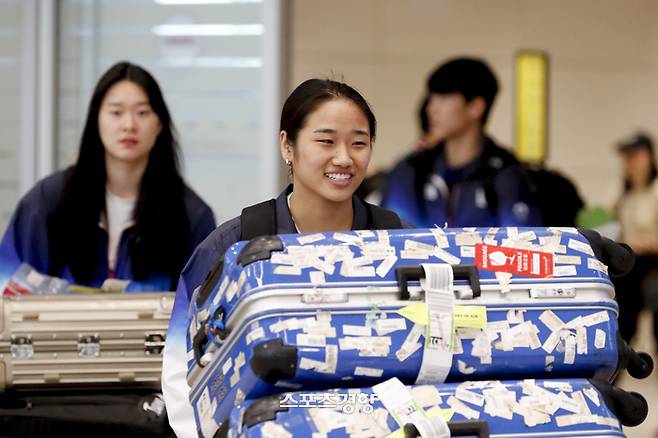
531 106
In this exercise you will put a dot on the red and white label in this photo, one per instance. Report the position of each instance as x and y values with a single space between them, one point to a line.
514 260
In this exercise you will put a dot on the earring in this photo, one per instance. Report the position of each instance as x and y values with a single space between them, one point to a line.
288 163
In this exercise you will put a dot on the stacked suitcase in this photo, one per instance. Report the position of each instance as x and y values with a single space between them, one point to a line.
489 309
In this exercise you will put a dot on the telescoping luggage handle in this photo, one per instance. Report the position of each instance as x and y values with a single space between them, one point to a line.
406 273
465 428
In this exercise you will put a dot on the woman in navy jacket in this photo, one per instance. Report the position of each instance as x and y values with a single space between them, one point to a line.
122 211
326 137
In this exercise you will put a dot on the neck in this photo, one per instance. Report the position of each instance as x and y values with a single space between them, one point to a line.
464 148
314 215
123 179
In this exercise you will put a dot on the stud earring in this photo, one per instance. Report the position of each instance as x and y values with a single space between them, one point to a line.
288 163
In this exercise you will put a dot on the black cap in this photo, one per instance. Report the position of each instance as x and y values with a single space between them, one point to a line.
636 141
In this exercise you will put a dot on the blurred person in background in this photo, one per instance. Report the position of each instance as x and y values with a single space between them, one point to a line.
637 212
372 186
466 179
123 210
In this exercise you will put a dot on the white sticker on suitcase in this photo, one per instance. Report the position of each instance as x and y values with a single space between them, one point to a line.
597 265
255 334
377 251
515 316
467 251
310 238
311 340
440 237
599 339
356 330
567 260
368 372
467 239
389 325
580 246
274 430
465 395
287 270
447 257
426 395
386 265
564 271
462 409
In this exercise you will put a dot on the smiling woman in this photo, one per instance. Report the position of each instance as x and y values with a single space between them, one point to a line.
326 137
122 211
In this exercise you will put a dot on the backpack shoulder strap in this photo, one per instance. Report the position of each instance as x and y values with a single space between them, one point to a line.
258 220
382 219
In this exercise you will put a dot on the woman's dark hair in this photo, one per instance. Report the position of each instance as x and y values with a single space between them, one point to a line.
161 223
653 172
308 96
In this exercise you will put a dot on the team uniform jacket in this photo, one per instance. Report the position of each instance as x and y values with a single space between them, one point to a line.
26 238
490 191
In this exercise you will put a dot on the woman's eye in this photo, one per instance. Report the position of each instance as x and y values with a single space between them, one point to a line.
326 140
115 113
360 144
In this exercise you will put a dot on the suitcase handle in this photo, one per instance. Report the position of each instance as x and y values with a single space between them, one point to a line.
477 428
406 273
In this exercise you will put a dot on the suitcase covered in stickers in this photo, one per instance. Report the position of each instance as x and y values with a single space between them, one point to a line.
482 409
349 309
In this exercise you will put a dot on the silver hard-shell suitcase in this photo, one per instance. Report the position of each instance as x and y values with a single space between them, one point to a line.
95 340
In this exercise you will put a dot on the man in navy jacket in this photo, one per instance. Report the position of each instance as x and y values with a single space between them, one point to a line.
467 179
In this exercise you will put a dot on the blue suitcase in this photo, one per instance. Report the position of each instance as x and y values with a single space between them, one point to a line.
347 309
542 408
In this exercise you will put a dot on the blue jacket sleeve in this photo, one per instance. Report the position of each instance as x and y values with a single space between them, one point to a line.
174 365
516 203
26 236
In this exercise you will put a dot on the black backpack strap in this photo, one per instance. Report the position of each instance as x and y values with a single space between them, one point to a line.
382 219
258 220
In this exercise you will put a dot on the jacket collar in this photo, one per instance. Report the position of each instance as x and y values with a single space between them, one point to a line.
285 224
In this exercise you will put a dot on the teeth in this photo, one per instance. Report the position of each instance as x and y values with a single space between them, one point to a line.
339 176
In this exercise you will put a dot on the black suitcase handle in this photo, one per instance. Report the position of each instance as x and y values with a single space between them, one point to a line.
638 365
470 428
406 273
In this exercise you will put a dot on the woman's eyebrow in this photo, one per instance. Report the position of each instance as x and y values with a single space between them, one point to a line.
333 131
144 102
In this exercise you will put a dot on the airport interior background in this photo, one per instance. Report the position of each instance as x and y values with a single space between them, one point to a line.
226 65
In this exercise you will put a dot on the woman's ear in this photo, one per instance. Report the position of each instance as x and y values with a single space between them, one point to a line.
286 148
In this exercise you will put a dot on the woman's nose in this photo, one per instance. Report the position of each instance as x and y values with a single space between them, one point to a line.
342 157
128 122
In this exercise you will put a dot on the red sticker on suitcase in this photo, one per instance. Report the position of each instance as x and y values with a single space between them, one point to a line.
514 260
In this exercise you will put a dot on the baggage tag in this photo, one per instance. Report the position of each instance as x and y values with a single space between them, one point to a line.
404 409
514 260
440 298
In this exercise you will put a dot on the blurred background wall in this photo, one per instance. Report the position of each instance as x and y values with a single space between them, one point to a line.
225 90
603 67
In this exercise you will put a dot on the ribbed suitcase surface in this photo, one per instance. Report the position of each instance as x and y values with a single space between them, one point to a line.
50 341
